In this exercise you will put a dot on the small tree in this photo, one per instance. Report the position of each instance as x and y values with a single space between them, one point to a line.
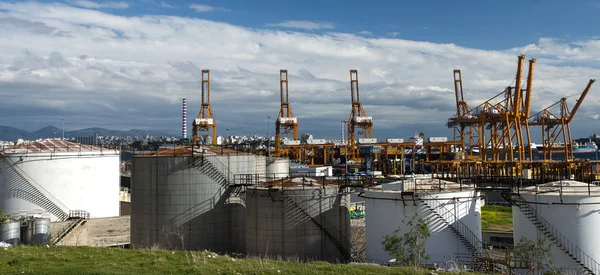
3 217
535 254
409 249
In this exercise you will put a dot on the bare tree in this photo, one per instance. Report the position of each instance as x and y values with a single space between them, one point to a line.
177 231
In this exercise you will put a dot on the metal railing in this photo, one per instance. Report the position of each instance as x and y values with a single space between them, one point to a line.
583 259
473 243
49 202
341 242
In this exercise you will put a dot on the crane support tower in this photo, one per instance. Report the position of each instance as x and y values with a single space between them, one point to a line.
556 129
358 118
286 119
205 120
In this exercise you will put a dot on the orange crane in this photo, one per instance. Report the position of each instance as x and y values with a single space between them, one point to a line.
358 118
285 119
462 124
205 120
554 126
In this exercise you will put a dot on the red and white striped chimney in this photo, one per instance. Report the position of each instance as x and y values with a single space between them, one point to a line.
184 123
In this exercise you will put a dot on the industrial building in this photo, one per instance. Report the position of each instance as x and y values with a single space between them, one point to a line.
452 213
56 177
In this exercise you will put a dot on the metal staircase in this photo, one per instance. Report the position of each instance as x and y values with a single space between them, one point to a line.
299 214
464 234
587 263
68 229
22 186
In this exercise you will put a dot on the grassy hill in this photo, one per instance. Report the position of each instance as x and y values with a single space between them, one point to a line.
496 218
89 260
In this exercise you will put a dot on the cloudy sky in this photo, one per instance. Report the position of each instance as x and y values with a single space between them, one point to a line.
128 64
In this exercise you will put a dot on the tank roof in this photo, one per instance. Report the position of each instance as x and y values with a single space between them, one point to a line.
299 182
51 146
187 150
566 187
428 185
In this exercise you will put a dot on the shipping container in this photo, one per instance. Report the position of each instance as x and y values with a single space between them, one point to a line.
438 139
367 140
291 142
316 141
395 140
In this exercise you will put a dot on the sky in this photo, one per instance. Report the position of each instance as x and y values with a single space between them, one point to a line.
128 64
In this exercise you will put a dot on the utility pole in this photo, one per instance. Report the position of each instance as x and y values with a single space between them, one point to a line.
63 128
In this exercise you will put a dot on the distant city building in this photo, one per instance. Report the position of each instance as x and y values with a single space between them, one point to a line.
93 140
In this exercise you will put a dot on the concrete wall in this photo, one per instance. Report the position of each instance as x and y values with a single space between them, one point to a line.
385 212
275 227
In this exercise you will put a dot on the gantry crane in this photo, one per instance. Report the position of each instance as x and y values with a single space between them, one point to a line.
554 126
463 126
358 118
285 119
205 120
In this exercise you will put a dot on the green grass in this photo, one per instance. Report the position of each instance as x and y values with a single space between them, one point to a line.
89 260
496 218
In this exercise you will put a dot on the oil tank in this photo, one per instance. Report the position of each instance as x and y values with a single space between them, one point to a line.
301 222
277 168
41 230
568 210
181 201
57 176
447 211
10 232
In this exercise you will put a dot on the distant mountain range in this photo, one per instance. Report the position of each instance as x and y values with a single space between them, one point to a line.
11 133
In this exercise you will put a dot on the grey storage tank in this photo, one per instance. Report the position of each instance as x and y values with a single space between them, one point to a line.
302 220
10 232
181 200
41 230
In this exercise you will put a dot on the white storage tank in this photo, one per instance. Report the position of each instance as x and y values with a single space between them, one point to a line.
277 168
566 214
58 176
303 220
183 201
453 217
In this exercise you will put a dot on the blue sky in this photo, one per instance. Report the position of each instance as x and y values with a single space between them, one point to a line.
127 64
492 25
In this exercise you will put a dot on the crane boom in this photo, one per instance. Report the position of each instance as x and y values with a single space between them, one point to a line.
205 119
580 100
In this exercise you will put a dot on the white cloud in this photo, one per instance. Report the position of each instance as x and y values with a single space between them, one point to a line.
104 70
206 8
164 4
306 25
94 5
365 33
393 34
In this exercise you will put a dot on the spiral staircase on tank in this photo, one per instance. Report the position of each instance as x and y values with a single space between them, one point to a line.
588 264
22 186
296 213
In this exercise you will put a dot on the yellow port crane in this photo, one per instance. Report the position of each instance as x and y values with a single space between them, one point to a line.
205 120
286 119
556 129
463 126
358 118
